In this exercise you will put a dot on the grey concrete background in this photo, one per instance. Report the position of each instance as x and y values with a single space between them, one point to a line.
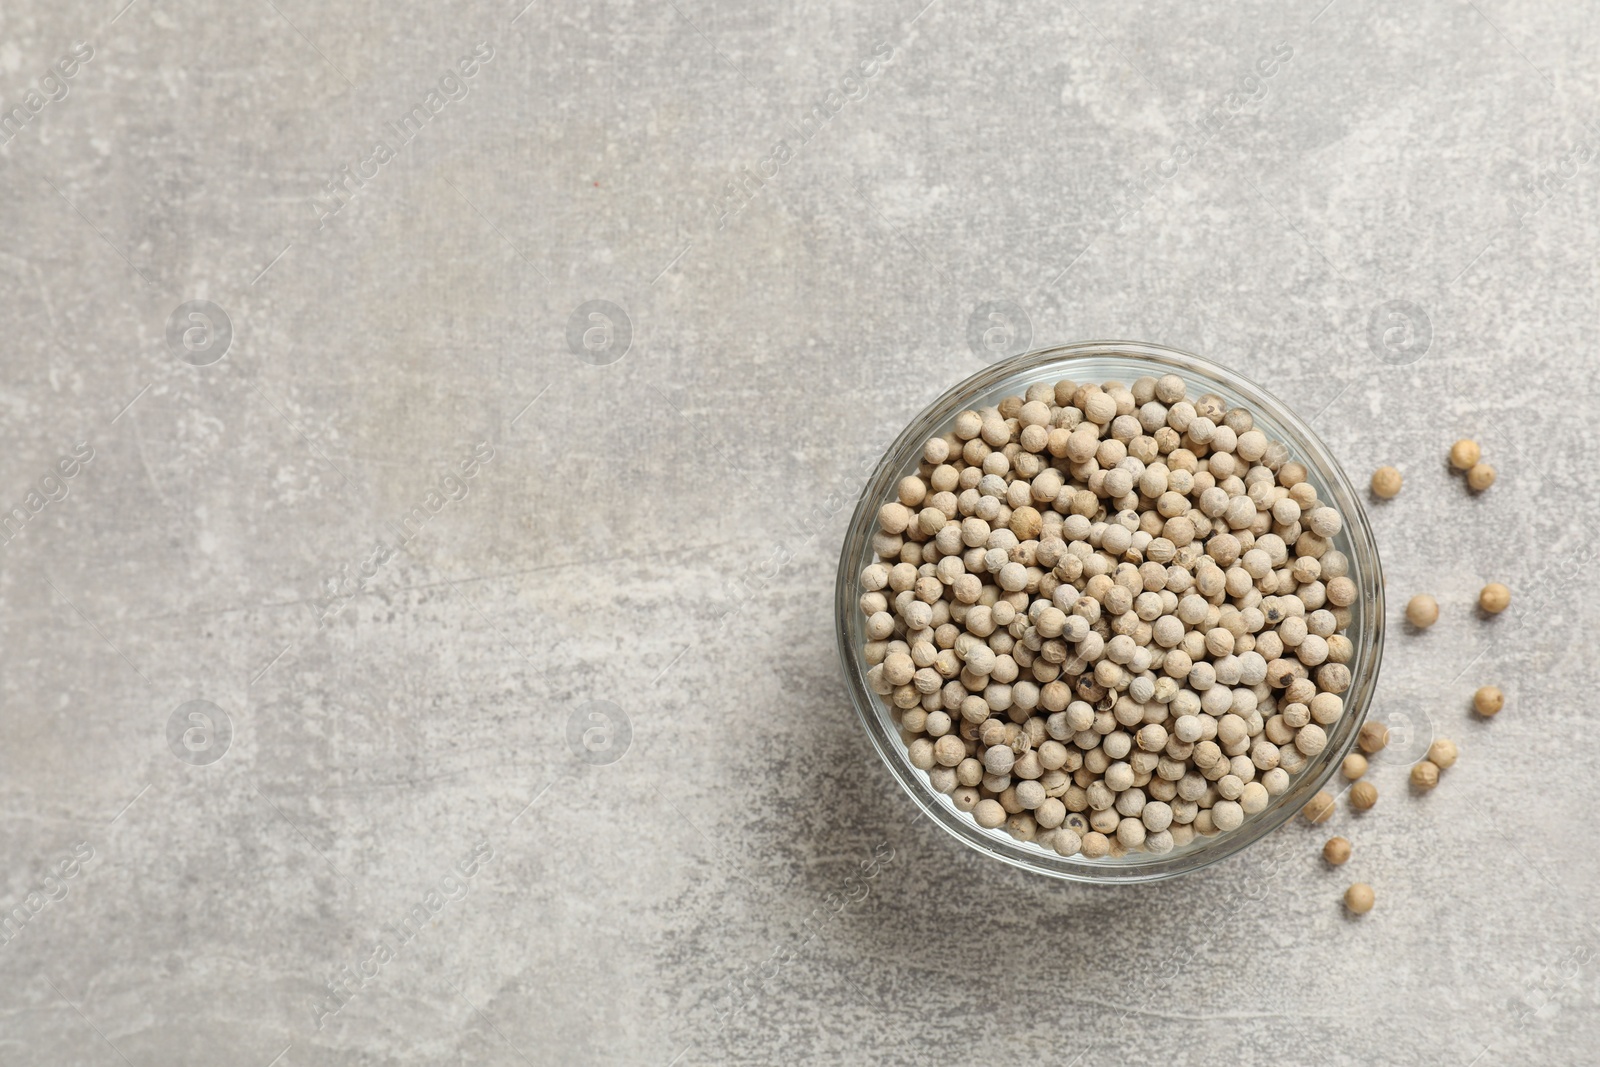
609 664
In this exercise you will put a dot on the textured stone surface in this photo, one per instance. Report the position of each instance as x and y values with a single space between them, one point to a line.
660 530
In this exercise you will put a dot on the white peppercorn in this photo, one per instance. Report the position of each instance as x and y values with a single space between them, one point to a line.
1227 815
1442 753
1159 842
1008 800
1372 737
1156 816
1253 798
1324 522
1386 483
1279 732
1319 808
1359 898
1105 820
1022 826
999 759
1050 812
969 772
1422 611
1119 776
1131 802
949 750
1030 794
1292 760
1310 739
1425 775
1464 454
1326 708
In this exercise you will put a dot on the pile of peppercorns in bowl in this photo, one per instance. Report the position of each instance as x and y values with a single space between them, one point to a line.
1110 612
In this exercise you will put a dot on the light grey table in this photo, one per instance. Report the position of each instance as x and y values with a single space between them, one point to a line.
553 764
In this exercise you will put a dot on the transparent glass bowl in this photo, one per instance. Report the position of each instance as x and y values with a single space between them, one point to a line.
1124 361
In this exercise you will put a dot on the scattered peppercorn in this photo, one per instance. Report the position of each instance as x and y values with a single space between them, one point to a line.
1425 775
1359 898
1494 598
1386 483
1488 700
1363 795
1422 611
1464 454
1443 753
1373 736
1336 851
1480 477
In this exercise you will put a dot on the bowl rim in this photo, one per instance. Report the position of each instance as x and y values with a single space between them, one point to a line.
983 388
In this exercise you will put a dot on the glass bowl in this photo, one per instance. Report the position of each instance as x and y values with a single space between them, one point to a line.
1125 361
